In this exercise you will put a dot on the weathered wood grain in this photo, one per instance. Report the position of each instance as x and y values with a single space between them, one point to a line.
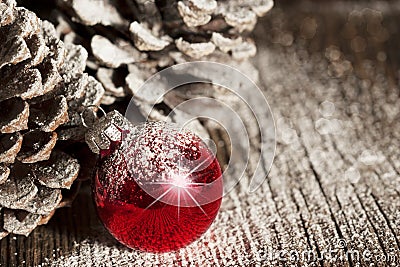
335 183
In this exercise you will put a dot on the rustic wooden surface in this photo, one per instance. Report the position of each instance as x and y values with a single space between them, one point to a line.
331 74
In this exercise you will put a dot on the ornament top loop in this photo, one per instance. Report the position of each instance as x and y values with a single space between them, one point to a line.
93 108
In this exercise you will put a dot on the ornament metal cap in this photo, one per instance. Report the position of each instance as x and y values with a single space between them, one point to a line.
105 129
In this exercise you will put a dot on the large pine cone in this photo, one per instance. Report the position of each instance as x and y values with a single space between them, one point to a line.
42 91
131 40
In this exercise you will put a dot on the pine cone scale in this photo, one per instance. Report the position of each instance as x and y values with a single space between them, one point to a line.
49 114
18 189
4 172
10 145
36 146
14 115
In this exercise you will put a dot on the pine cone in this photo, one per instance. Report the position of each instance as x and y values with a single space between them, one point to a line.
43 90
131 40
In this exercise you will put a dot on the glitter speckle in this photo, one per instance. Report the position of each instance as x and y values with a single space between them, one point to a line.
308 27
352 175
327 109
289 135
358 44
333 53
325 126
322 126
381 56
370 157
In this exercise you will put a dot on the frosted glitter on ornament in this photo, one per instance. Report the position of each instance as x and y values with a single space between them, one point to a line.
159 188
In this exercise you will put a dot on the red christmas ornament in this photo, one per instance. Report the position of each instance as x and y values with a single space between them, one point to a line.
157 188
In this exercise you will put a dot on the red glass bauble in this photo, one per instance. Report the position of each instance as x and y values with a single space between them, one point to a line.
158 189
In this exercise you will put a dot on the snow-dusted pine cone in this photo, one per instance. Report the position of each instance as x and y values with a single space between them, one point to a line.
130 40
42 91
